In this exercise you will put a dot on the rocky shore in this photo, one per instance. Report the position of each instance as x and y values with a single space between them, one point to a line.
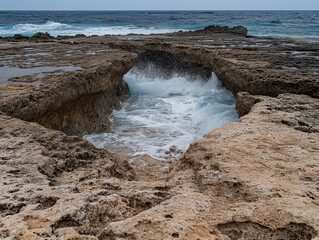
256 178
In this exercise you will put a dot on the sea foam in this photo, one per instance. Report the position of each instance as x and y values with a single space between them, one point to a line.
30 29
56 28
164 115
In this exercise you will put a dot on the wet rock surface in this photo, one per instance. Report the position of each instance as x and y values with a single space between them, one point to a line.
256 178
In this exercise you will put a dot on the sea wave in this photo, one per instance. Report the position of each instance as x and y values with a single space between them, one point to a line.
165 114
56 28
116 30
32 28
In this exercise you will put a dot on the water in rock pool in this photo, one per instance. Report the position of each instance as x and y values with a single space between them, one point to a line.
164 115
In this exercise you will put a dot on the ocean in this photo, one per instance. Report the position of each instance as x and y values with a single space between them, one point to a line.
260 23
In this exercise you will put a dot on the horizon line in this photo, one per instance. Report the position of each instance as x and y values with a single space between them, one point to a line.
136 10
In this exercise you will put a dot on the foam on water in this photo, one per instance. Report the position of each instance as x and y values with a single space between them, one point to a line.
55 29
27 28
164 115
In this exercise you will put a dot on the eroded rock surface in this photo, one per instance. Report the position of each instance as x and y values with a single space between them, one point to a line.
77 102
256 178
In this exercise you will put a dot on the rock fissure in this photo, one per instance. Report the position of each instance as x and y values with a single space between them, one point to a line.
250 230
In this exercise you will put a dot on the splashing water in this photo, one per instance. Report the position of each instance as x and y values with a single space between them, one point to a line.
56 28
164 115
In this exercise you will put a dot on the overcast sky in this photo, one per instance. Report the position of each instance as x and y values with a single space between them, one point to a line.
159 5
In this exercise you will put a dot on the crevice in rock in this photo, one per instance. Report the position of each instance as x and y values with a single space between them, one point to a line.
175 235
143 201
46 202
108 234
10 208
64 222
254 231
167 64
244 102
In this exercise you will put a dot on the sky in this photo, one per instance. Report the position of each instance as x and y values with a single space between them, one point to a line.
159 5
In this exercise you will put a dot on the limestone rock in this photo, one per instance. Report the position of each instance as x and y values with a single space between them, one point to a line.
256 178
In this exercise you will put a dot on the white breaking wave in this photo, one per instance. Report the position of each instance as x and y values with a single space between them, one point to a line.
164 115
33 28
116 30
55 29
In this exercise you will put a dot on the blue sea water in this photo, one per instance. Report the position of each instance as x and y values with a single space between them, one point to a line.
260 23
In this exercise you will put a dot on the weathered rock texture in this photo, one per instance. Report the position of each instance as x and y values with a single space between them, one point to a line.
256 178
75 103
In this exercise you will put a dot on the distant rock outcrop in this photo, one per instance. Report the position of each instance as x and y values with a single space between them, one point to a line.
240 30
234 30
36 37
42 36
